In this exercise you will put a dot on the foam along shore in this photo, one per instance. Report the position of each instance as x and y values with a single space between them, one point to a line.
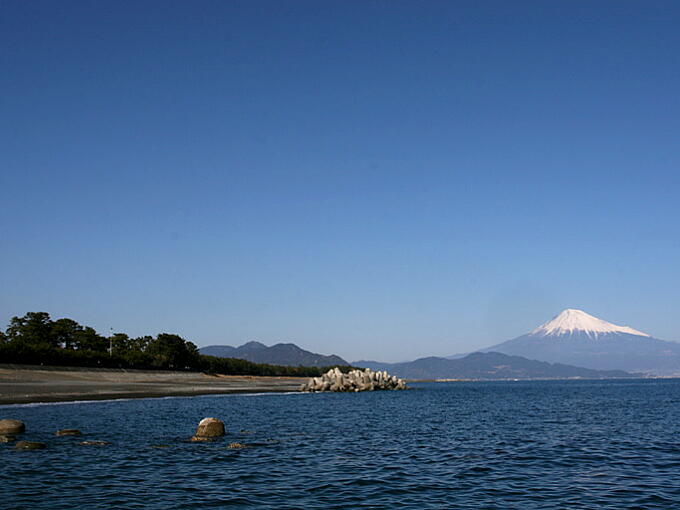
355 380
24 384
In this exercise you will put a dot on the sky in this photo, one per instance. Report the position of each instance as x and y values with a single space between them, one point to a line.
376 179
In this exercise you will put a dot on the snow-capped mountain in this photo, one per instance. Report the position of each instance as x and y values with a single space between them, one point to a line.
577 338
572 321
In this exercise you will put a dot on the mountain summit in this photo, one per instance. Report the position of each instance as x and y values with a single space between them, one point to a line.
576 338
279 354
572 321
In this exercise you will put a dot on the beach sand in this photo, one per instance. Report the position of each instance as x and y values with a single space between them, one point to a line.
21 384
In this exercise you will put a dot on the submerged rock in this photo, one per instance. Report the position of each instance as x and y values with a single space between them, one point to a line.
356 380
29 445
93 443
236 446
7 439
67 432
12 427
199 439
209 427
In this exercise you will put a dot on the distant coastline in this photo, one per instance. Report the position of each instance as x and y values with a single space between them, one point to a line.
29 384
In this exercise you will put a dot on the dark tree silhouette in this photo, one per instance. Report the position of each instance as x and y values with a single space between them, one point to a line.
36 339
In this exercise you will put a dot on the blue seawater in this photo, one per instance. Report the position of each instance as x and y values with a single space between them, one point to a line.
551 444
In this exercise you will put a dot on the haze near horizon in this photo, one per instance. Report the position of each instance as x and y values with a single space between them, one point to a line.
370 179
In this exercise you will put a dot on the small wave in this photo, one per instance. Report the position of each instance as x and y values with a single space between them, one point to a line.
166 397
68 402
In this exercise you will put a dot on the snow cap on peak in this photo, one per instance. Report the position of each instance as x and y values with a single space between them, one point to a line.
573 321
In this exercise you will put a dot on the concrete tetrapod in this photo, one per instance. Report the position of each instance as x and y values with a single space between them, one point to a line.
356 380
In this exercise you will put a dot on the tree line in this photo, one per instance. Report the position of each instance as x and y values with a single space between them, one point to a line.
36 339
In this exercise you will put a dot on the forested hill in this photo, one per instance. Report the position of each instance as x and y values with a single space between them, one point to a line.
36 339
278 354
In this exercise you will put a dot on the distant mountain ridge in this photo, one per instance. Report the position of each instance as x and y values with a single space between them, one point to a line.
287 354
577 338
488 366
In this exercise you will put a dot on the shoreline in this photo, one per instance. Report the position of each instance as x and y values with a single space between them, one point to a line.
35 384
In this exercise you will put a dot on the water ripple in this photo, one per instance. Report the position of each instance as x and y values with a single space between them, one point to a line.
576 444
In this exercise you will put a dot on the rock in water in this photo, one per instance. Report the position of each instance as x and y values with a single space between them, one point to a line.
356 380
7 439
94 443
12 427
209 427
29 445
67 432
196 439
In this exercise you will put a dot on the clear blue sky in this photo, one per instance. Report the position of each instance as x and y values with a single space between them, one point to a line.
380 180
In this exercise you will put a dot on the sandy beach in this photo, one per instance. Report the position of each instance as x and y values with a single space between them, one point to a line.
21 384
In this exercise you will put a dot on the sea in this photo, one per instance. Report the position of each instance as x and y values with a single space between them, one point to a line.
483 445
